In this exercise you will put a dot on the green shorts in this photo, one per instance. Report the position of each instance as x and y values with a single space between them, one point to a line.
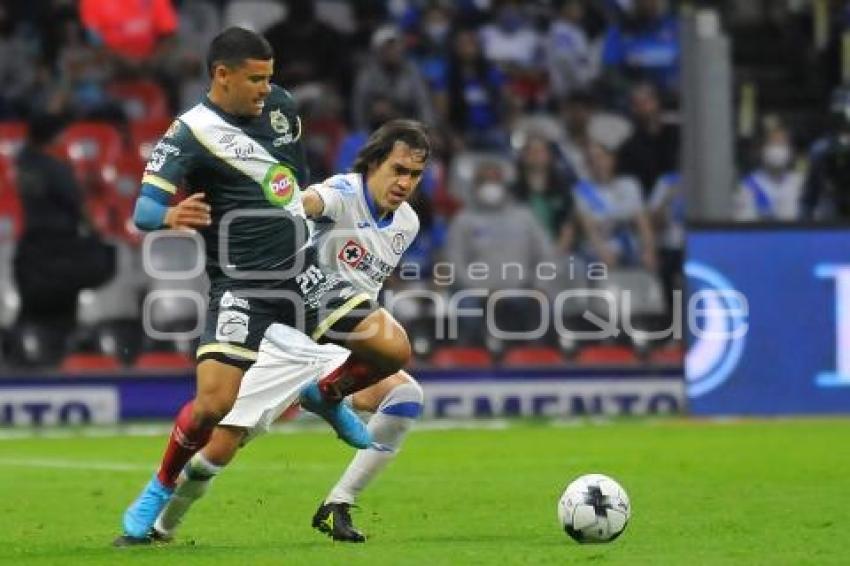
238 316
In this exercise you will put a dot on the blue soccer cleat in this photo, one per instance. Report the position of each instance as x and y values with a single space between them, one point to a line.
342 419
142 513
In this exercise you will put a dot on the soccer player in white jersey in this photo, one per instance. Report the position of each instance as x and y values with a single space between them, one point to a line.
362 226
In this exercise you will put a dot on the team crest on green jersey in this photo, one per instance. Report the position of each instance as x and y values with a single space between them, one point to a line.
280 185
279 121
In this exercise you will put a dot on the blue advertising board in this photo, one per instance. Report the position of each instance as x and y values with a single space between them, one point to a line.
456 394
768 320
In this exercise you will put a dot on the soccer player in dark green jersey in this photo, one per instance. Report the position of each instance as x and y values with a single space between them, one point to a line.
239 152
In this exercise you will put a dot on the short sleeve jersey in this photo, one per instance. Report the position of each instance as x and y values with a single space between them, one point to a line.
352 241
250 170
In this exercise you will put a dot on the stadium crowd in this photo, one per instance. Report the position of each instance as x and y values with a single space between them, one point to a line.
557 136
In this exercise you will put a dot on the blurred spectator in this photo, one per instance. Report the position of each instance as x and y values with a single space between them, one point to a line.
84 72
380 109
826 192
584 122
308 50
506 245
577 110
644 46
17 72
476 92
58 255
132 29
512 43
611 213
199 23
653 147
667 213
771 192
432 49
388 73
546 191
573 59
140 38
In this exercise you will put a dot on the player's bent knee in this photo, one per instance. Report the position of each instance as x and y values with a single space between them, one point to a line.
397 354
209 410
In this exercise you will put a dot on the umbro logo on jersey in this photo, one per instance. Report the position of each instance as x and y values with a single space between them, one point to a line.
363 224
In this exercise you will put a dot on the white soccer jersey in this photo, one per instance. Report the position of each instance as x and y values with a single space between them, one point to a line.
350 239
352 244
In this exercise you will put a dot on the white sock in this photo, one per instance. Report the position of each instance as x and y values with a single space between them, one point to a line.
193 483
388 426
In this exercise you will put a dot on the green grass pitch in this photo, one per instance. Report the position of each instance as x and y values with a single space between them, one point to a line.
761 492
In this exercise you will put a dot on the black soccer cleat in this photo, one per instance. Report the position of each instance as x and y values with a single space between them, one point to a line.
160 538
334 519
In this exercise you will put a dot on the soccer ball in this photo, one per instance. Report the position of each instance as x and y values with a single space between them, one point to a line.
594 508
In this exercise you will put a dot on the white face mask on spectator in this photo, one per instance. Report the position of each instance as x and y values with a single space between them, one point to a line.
491 194
776 155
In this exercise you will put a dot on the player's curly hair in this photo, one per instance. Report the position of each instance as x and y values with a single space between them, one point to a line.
380 143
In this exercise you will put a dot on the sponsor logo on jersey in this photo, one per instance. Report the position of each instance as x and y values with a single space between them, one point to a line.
232 326
363 224
352 253
398 243
280 185
359 258
228 300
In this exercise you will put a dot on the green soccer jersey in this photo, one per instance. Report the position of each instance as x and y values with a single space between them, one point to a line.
250 170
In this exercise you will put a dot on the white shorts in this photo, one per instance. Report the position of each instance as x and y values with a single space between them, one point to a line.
288 360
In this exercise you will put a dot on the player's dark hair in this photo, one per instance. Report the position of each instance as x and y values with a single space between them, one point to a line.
380 143
234 45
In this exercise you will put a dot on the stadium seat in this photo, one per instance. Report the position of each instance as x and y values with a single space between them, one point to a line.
671 354
140 99
117 198
533 356
12 137
339 15
119 297
145 132
10 300
606 355
256 15
453 356
170 306
462 172
11 211
89 362
545 125
646 294
90 146
164 361
34 344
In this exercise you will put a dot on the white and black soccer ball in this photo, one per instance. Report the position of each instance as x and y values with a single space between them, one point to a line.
594 508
